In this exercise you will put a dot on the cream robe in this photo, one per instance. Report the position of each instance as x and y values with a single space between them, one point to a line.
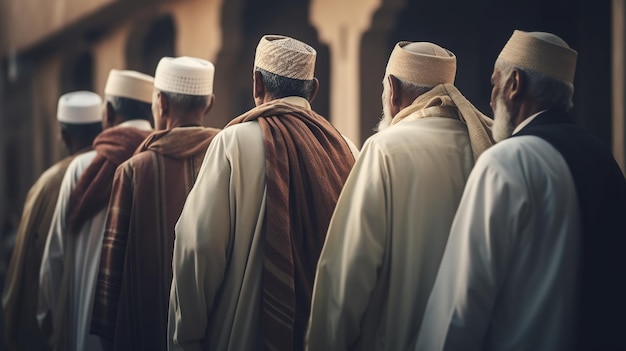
216 300
507 278
87 248
387 236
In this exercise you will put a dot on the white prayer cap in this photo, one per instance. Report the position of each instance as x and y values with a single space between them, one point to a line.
286 57
129 84
79 107
422 63
541 52
185 75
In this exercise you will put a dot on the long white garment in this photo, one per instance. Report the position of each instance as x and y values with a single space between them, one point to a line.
85 269
508 275
387 236
87 247
218 256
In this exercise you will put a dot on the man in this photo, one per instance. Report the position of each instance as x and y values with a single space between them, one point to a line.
252 228
535 255
79 117
392 220
149 191
72 252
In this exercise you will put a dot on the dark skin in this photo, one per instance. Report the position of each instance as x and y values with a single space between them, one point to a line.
398 98
514 92
75 144
168 117
261 96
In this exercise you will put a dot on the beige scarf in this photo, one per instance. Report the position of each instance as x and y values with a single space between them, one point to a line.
445 100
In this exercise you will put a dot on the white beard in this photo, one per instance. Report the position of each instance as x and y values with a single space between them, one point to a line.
385 120
502 121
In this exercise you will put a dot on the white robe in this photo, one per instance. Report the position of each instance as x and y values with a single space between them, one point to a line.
508 275
87 248
387 236
218 253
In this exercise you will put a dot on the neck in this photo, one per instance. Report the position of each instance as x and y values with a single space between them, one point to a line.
187 120
527 109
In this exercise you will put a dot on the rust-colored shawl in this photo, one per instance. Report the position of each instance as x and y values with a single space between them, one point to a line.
91 194
307 164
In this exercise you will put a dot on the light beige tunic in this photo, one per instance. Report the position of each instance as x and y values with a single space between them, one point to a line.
387 236
218 252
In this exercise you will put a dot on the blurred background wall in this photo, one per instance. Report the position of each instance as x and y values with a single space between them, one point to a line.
48 48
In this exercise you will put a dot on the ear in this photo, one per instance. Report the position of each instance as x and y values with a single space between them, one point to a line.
517 83
395 92
209 105
258 89
109 114
164 105
316 88
66 139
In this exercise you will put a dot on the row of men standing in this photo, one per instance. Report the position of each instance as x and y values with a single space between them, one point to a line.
246 238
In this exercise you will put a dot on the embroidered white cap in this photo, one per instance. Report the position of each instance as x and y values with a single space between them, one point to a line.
129 84
79 107
422 63
286 57
541 52
184 75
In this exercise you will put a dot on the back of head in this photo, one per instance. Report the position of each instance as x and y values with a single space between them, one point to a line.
80 115
421 64
130 94
186 81
548 63
287 66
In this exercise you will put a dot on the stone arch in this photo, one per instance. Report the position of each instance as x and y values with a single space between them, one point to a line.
375 49
149 41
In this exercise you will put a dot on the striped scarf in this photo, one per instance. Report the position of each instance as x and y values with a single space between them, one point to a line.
307 164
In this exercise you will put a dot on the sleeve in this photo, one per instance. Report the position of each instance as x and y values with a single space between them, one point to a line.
111 269
483 235
25 242
200 250
348 268
51 270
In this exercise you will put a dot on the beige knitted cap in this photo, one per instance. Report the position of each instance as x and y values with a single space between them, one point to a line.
286 57
185 75
422 63
129 84
541 52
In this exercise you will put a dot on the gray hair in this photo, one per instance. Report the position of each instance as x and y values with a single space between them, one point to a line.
546 90
279 87
411 88
187 103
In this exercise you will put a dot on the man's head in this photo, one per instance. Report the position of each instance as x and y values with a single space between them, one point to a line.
283 67
79 114
183 91
128 95
413 69
534 72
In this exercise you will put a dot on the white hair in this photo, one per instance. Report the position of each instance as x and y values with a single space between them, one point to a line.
408 88
546 90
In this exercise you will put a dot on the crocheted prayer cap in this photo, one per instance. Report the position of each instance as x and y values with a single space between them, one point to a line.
422 63
129 84
541 52
286 57
79 107
185 75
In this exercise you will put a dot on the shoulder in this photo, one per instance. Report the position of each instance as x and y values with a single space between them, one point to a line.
244 135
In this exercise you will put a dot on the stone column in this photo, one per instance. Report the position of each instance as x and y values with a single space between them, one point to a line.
341 25
619 82
198 28
110 53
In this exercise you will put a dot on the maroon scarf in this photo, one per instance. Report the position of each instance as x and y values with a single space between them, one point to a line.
91 194
307 164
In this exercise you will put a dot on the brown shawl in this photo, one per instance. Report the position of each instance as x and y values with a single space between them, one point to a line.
307 164
92 192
